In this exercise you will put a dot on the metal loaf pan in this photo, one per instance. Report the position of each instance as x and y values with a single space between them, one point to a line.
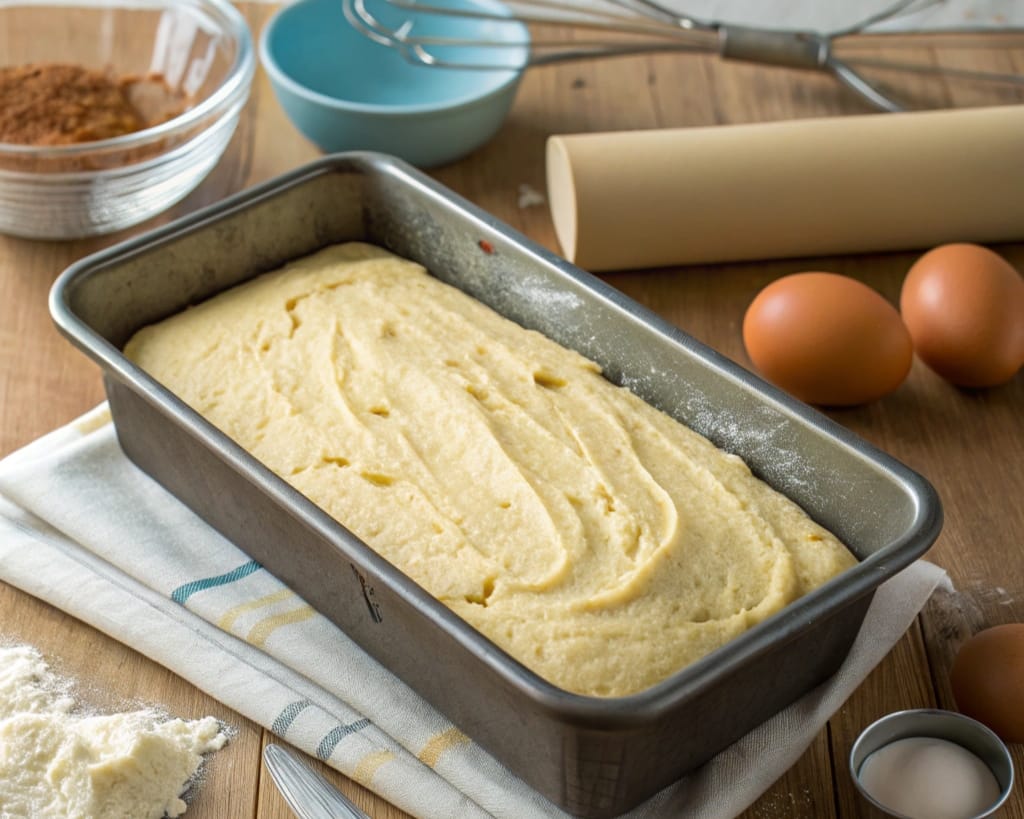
593 757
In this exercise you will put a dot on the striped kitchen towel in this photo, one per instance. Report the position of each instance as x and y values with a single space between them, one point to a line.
82 528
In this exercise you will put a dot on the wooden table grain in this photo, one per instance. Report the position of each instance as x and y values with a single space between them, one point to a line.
970 444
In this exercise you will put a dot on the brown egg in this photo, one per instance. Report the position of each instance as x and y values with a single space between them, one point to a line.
988 679
827 339
964 307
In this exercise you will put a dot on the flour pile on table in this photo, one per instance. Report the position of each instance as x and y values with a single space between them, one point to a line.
58 762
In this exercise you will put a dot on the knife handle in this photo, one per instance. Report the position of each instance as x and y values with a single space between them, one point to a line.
307 793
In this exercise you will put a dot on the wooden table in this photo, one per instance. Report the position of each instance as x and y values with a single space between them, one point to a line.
969 444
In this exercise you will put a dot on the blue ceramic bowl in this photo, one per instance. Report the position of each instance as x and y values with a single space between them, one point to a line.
346 92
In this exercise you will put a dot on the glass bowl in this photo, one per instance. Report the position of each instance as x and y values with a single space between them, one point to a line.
195 55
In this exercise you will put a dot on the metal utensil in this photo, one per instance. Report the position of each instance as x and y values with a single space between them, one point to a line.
624 27
307 793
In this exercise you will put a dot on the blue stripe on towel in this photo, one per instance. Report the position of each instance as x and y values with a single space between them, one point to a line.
186 590
287 716
336 735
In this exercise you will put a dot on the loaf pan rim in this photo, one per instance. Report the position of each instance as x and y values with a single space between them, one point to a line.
644 706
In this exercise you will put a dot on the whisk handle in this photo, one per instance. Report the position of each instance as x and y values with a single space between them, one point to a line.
794 49
797 49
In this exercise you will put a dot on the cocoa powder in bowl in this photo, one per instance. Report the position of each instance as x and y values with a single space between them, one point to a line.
59 104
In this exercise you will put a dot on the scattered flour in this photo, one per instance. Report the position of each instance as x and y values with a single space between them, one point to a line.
530 197
58 762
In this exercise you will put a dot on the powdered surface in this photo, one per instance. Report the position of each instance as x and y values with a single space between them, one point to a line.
58 762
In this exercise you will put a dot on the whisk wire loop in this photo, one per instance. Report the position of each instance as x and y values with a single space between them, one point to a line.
630 27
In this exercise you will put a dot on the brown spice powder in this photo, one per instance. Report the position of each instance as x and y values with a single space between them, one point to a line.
61 104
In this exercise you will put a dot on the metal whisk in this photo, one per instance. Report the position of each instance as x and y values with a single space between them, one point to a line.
627 27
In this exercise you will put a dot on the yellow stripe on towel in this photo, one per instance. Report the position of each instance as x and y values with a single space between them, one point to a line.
369 765
227 620
439 743
262 630
92 421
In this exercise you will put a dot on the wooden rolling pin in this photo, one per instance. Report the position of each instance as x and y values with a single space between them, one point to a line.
784 189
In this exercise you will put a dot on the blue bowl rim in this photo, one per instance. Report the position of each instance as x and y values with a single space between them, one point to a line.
236 82
279 76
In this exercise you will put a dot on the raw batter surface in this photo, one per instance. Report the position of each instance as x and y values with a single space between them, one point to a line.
595 539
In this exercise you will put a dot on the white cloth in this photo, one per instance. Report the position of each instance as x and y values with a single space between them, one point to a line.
82 528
